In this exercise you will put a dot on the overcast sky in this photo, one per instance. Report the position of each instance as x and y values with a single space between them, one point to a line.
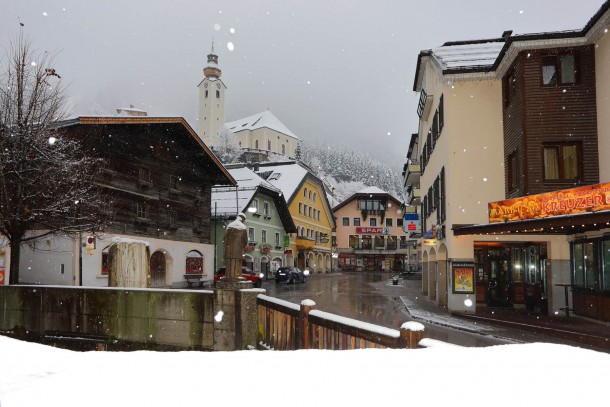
339 70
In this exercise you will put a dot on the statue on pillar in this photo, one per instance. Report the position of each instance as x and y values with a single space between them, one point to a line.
236 238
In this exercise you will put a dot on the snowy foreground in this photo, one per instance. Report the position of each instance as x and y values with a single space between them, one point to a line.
537 374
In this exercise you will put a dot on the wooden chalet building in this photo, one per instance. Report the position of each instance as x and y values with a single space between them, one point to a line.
157 181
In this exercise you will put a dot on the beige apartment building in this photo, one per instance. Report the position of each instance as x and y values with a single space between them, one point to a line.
509 127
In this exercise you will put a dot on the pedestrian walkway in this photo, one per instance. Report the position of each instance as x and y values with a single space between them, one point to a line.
486 321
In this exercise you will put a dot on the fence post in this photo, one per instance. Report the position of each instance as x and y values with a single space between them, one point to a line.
303 326
410 334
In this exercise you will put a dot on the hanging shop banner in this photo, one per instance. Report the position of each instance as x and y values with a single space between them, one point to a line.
429 242
411 223
591 198
462 277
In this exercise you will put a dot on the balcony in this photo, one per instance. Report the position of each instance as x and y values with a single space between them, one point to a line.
413 172
305 243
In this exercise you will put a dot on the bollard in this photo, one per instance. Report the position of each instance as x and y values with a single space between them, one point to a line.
303 334
410 334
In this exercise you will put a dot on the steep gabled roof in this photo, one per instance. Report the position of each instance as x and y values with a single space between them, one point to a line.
258 121
166 122
228 202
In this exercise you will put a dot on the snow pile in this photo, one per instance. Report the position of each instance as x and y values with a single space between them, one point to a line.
36 375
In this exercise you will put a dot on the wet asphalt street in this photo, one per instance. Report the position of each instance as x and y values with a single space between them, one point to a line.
372 298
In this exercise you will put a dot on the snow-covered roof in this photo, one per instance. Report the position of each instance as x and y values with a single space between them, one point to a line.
372 190
285 176
259 121
468 55
227 202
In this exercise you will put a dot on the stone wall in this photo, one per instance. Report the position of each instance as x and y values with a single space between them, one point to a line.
145 318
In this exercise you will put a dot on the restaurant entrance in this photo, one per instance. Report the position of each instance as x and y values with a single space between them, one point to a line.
510 273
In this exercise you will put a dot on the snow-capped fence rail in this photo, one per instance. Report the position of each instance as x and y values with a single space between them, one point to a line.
284 325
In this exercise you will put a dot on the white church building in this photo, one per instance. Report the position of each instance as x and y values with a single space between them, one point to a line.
259 135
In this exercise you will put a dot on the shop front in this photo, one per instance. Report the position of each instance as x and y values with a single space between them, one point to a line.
512 272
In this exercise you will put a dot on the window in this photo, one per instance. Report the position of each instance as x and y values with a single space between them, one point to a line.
513 171
171 218
309 193
561 162
217 94
277 240
263 236
356 221
584 265
559 69
314 197
354 242
256 144
141 211
372 221
300 208
392 242
606 265
206 94
194 262
305 210
254 205
173 182
269 145
346 221
399 222
510 86
379 242
251 234
106 261
372 205
305 193
283 149
367 242
309 212
549 71
389 222
144 174
266 209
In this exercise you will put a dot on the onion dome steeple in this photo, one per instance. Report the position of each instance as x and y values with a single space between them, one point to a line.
211 69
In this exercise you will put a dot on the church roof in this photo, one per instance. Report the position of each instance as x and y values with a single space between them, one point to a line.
259 121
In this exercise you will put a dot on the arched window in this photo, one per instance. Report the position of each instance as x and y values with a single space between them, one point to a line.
194 263
106 261
309 194
305 193
314 197
256 144
206 94
217 94
269 145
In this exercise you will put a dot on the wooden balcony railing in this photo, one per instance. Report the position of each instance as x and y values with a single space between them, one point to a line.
283 325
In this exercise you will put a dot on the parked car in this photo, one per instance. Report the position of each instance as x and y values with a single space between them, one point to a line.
290 275
248 274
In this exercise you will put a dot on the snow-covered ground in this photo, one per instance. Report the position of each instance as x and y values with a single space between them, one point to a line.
539 374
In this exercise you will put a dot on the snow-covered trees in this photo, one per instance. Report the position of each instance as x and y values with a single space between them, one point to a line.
350 171
227 146
47 183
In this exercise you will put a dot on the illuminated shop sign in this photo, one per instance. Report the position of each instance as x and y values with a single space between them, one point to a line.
592 198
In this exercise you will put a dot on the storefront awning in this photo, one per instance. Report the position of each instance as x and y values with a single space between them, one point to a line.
562 225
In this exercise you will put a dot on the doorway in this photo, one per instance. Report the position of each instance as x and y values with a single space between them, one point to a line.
158 270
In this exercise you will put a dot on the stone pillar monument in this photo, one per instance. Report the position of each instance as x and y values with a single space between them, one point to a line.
234 307
129 261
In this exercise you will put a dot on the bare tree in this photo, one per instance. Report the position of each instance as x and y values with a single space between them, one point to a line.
46 179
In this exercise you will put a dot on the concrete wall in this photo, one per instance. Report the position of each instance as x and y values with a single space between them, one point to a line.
44 266
151 318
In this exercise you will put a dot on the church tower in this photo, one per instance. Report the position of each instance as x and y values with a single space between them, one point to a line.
211 115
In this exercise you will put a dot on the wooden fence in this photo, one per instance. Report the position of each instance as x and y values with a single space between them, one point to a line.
283 325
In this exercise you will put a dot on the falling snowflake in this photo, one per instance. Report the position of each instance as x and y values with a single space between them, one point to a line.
230 46
52 140
217 27
232 30
218 316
